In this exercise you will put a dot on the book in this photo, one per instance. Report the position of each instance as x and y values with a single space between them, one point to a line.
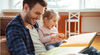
74 46
64 51
80 40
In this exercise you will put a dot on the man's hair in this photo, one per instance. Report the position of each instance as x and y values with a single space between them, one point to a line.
31 3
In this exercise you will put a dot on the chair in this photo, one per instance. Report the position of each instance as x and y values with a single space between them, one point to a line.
4 50
73 16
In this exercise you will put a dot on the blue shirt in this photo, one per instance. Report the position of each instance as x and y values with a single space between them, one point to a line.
18 37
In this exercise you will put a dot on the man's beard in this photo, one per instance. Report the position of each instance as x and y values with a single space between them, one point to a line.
28 18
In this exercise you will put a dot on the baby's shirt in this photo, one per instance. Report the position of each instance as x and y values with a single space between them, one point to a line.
45 35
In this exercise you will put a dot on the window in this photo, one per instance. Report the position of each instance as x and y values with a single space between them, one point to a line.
61 5
16 4
92 4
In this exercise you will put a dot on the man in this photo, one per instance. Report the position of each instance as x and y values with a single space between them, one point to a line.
18 33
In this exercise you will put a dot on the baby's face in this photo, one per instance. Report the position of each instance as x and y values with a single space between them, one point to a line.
51 22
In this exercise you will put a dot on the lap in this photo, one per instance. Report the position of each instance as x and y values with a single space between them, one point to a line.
50 46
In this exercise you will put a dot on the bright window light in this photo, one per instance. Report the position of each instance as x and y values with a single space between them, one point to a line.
63 4
59 5
92 4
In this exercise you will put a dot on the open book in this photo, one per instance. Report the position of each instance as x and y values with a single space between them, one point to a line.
80 40
64 51
75 45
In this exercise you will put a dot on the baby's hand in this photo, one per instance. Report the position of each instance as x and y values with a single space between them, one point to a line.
53 37
56 38
61 35
64 41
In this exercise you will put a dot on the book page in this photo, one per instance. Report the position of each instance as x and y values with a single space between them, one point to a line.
63 51
79 40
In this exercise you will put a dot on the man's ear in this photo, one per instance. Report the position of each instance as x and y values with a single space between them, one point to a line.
26 8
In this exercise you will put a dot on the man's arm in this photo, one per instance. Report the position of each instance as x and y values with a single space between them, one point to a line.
15 42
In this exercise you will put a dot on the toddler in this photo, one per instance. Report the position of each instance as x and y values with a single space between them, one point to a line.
48 33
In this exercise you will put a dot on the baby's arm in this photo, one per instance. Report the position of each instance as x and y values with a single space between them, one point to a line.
54 40
42 38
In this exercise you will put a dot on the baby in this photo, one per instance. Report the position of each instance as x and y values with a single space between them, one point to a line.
48 33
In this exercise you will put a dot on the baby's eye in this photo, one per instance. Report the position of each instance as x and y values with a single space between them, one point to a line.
54 20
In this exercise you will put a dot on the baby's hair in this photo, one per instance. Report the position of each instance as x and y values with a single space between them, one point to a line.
50 14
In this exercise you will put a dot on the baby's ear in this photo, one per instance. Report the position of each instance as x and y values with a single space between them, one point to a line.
46 19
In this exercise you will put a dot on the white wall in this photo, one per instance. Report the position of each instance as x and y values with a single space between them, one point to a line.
90 24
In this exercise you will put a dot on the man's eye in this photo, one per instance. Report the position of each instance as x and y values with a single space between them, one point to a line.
38 13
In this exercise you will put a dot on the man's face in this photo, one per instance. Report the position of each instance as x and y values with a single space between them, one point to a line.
34 14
